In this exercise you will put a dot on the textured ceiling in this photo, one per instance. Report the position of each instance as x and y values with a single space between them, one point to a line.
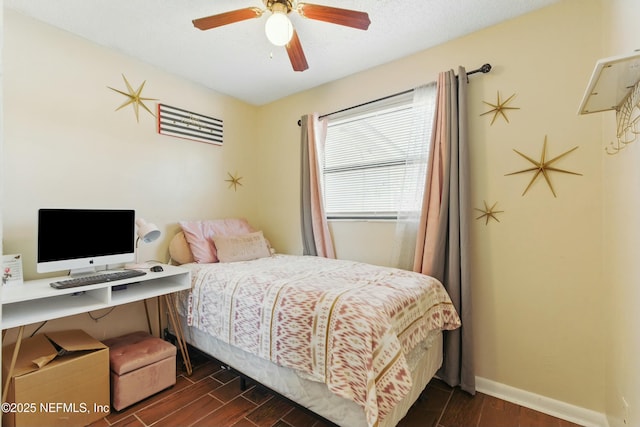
238 60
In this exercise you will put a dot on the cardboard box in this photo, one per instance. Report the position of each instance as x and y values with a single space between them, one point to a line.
59 379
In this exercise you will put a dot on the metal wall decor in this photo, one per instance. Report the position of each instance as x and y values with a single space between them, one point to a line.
488 212
499 108
134 97
173 121
543 167
234 181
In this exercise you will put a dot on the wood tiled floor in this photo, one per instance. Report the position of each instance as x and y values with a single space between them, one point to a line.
211 397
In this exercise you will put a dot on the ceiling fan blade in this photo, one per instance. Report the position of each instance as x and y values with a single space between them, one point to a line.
227 18
296 54
334 15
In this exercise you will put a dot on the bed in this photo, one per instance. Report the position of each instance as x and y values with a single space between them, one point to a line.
353 342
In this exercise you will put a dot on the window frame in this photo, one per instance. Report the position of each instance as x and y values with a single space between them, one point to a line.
370 111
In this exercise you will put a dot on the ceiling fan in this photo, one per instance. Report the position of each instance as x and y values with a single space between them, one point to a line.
278 27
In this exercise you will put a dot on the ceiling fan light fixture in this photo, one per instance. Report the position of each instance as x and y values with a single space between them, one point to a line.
278 28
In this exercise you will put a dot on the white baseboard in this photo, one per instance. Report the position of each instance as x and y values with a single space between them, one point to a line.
556 408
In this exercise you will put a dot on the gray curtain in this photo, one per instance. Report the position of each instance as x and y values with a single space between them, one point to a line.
308 245
442 249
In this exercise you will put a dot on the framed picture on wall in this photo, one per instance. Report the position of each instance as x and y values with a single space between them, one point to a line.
180 123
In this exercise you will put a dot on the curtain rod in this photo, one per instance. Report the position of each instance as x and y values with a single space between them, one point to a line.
484 69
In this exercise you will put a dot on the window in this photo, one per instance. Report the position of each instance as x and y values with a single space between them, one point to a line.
375 157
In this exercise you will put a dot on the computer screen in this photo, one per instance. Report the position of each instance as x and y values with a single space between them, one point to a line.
84 239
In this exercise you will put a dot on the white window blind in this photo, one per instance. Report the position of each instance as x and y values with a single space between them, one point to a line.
372 155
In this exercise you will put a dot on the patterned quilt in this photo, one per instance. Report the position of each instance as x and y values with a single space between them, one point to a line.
346 324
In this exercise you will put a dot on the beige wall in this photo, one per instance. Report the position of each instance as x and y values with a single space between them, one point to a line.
621 206
540 295
66 146
537 273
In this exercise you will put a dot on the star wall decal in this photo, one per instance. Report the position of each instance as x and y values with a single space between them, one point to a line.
499 108
134 97
234 181
543 167
488 212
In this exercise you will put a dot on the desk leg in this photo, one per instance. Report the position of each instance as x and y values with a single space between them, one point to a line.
177 328
159 311
146 311
16 350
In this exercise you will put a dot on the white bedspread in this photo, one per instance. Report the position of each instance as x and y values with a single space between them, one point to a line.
346 324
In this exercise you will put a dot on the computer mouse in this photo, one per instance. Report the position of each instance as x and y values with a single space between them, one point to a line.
156 269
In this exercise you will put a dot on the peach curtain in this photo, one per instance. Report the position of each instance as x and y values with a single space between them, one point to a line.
442 247
316 237
410 195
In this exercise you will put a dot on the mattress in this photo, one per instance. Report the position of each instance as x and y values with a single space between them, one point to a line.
424 361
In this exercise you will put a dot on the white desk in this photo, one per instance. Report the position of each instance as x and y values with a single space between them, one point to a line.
36 301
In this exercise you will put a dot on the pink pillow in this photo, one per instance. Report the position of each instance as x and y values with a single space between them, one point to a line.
199 235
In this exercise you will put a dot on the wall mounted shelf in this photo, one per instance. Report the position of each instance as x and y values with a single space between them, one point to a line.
611 83
615 85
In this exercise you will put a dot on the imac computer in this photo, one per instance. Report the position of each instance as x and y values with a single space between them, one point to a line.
84 240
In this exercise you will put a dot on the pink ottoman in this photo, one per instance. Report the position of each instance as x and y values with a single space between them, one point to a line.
141 365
